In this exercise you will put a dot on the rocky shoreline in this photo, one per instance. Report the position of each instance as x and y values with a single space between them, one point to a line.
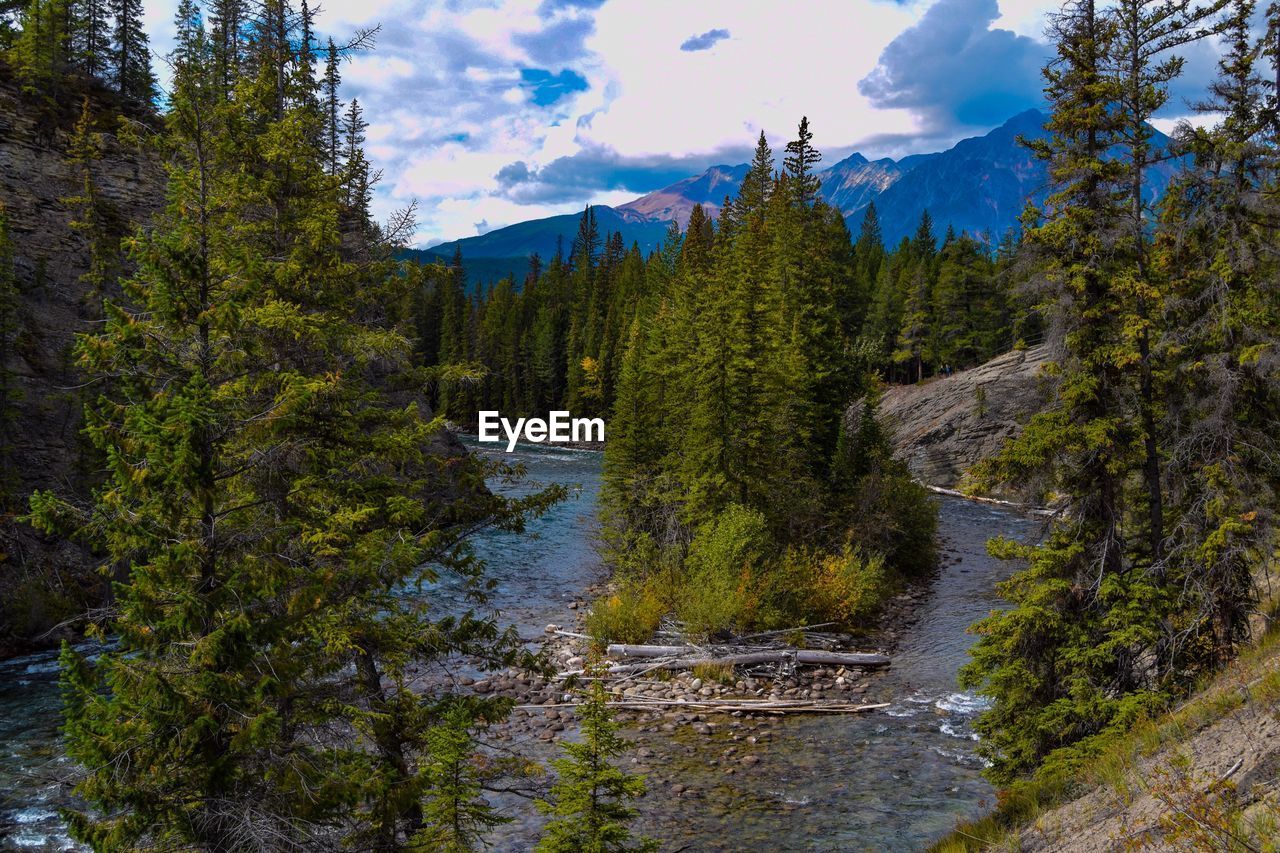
544 711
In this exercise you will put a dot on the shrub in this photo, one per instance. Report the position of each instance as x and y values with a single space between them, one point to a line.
894 516
630 615
721 587
849 586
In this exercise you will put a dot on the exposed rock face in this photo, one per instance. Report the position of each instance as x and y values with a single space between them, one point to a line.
50 259
42 579
943 427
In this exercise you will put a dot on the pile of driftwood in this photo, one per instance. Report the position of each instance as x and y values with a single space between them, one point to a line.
767 654
687 657
728 706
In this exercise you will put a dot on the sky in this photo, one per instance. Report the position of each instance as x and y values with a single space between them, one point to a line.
490 113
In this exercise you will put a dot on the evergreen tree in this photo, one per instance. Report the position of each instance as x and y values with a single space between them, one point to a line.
89 36
132 56
40 53
271 487
801 164
1217 246
1068 660
455 816
332 111
587 804
92 216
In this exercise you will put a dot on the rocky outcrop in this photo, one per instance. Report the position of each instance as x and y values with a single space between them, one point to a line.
41 580
942 427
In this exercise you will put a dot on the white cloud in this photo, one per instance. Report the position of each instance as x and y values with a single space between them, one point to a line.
448 107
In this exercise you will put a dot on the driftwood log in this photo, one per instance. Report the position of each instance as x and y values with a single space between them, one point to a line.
728 706
687 657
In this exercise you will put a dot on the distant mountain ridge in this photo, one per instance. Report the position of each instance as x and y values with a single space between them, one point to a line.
981 185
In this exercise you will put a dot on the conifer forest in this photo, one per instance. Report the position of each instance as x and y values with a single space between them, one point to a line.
938 501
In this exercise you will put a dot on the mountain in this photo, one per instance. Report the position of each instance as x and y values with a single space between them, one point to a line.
980 185
677 201
545 235
855 181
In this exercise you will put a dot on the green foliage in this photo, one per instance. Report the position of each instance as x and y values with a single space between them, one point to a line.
39 53
55 39
588 802
845 587
629 615
725 565
455 813
1154 443
274 484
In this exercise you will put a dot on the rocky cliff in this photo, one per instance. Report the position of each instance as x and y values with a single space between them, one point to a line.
43 580
944 426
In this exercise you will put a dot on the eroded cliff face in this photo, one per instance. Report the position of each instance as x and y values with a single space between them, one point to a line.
44 580
943 427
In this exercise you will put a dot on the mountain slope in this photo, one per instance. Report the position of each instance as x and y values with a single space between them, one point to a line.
855 181
980 185
545 235
677 201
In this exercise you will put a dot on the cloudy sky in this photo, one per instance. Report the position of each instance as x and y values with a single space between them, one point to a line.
489 113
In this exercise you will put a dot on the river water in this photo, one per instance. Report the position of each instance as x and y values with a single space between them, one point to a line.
889 780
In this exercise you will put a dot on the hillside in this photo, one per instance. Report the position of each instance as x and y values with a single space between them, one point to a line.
1201 777
678 200
545 236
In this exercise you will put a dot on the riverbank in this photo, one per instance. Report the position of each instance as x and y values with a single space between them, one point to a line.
1202 776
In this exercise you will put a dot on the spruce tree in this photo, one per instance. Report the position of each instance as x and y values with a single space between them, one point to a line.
92 214
1067 661
1216 244
588 802
40 53
89 36
131 54
273 485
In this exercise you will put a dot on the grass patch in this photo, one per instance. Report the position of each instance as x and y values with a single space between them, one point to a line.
1112 758
714 673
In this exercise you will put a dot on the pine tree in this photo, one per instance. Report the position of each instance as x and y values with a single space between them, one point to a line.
1141 61
92 216
89 37
229 19
332 137
456 816
272 485
1066 661
1215 244
357 180
801 165
132 56
41 51
587 803
914 338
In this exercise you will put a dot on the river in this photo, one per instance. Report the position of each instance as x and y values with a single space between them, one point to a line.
890 780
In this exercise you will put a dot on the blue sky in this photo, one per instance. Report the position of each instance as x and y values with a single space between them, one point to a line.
489 113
